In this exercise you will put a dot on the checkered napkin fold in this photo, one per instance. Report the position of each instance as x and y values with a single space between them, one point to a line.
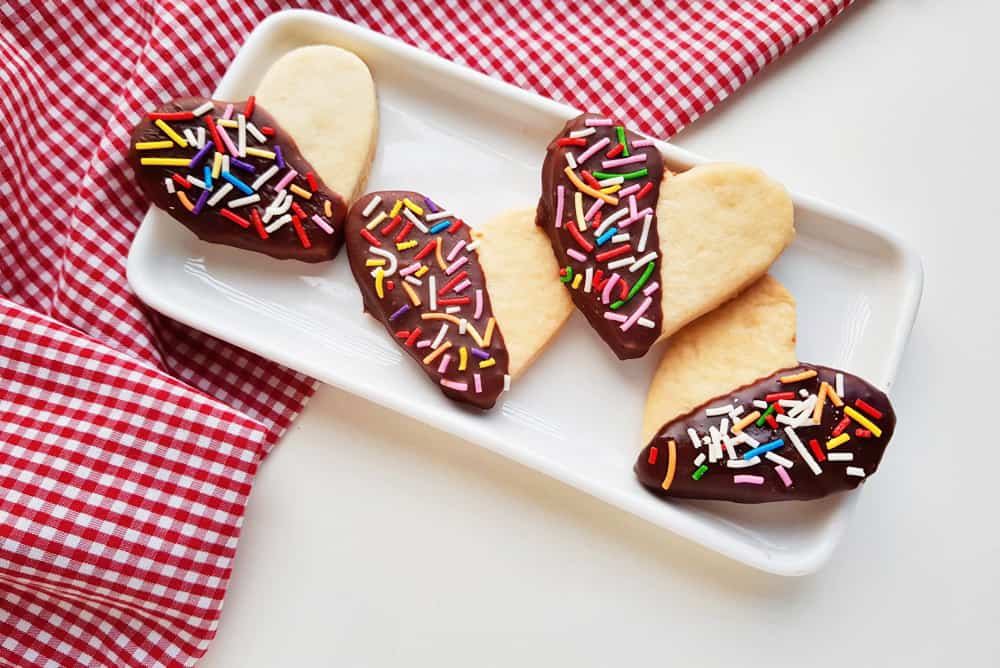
128 442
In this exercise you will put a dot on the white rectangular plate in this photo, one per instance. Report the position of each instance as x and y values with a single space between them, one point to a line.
857 290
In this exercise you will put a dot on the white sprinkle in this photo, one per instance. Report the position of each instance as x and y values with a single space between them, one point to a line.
170 185
614 181
724 427
570 160
643 261
241 135
803 393
197 182
700 459
610 220
453 309
803 452
841 456
506 382
736 412
693 435
281 204
416 221
789 403
749 440
588 279
440 335
219 194
414 280
759 404
619 238
855 471
840 385
257 134
191 139
473 246
730 452
784 419
201 137
645 233
778 459
278 224
582 133
432 283
225 162
715 446
463 323
706 440
201 109
431 217
372 203
742 463
617 264
646 322
265 177
243 201
716 411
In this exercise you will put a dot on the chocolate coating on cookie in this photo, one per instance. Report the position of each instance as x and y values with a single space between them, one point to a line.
780 445
228 173
600 186
419 274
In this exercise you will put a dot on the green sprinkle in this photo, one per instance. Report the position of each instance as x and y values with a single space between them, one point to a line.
621 140
763 418
700 472
569 275
637 174
618 304
635 288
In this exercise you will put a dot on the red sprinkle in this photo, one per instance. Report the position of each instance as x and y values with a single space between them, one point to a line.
868 408
412 338
597 219
644 190
778 396
370 239
258 224
426 250
862 433
771 421
248 110
454 226
841 426
181 180
778 409
652 449
599 279
455 280
613 253
571 141
589 178
267 130
403 232
623 288
578 238
391 226
298 210
297 222
216 139
454 301
615 151
390 284
171 115
402 334
242 222
312 181
817 451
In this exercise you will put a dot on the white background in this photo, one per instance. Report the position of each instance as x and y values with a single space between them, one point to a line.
404 546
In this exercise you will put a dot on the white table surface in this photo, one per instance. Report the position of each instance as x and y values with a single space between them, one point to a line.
404 546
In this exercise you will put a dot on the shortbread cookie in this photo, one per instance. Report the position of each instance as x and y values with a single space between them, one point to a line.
795 431
653 250
324 96
230 174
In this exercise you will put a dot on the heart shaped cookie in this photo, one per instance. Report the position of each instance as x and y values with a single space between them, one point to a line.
653 250
732 416
463 304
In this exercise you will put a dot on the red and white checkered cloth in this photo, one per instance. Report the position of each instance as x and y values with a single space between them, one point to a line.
128 442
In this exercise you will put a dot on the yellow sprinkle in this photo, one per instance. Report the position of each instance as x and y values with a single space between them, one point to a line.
834 397
612 189
488 334
820 402
395 208
437 251
169 131
374 263
580 185
423 270
439 316
671 464
261 153
805 375
216 165
580 222
404 245
376 220
437 352
150 145
832 443
301 192
328 209
576 280
863 421
742 424
412 293
463 358
486 364
413 207
165 162
379 275
227 123
182 196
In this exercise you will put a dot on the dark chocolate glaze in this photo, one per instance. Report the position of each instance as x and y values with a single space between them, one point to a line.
637 340
717 482
209 225
359 252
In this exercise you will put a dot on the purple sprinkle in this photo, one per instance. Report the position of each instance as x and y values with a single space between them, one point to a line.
400 311
431 205
280 159
202 198
200 155
245 166
481 354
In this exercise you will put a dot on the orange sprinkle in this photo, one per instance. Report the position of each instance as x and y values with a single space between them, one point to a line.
671 464
794 378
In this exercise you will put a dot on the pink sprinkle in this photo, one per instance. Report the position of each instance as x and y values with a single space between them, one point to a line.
461 286
618 162
611 315
456 264
286 179
322 223
230 146
479 304
445 361
627 325
461 387
576 255
228 113
479 383
642 143
606 294
631 219
594 148
454 251
409 270
598 203
748 479
632 205
625 192
560 196
591 122
651 288
783 474
424 343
